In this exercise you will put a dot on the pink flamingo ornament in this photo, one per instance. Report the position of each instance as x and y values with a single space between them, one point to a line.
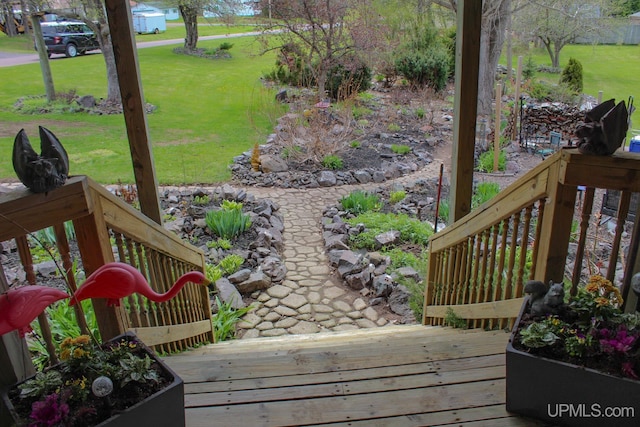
117 280
20 306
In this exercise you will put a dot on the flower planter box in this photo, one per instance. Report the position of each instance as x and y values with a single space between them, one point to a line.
567 395
163 408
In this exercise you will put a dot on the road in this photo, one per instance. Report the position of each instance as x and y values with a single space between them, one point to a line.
9 59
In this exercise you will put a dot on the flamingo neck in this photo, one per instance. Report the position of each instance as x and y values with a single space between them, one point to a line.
182 280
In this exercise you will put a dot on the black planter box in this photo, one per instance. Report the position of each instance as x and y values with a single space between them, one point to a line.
568 395
165 408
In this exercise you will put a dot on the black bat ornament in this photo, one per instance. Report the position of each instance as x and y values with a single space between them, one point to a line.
44 172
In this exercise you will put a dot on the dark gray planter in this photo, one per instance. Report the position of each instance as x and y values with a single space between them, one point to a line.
165 408
565 394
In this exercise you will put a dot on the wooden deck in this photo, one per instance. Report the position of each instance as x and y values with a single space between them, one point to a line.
393 376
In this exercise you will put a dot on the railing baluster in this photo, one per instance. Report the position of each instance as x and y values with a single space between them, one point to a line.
27 263
497 286
623 210
523 250
65 254
585 217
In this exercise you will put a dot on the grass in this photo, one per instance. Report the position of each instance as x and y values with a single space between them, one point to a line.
607 68
208 112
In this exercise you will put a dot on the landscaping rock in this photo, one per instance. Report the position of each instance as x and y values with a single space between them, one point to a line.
326 179
273 164
257 281
229 294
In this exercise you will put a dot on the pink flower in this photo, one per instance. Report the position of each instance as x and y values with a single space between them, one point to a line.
48 413
621 343
627 369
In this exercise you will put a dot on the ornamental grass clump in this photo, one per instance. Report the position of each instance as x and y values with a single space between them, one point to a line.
360 201
589 330
228 222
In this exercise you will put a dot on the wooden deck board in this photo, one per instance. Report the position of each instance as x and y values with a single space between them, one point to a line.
395 377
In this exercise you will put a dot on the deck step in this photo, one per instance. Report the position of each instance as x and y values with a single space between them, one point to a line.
398 375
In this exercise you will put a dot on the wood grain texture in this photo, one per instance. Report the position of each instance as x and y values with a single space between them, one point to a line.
392 376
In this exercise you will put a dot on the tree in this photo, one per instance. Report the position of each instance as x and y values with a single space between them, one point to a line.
318 31
556 23
92 13
189 10
494 21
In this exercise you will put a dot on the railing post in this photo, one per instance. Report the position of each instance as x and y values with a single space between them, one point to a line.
555 228
95 251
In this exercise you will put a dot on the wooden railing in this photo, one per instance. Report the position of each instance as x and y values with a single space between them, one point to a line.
108 229
478 266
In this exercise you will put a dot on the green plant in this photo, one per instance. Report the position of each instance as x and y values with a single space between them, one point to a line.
360 112
290 152
485 161
400 149
425 68
397 196
529 69
453 320
135 369
411 230
225 46
202 200
360 201
226 319
43 383
231 263
332 162
231 205
344 81
63 325
62 395
355 144
443 210
572 75
219 243
213 273
484 192
420 113
167 217
227 223
416 296
588 329
393 127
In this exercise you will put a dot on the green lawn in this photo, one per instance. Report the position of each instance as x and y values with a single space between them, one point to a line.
614 70
208 112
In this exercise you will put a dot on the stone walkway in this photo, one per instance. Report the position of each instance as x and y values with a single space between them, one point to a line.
311 299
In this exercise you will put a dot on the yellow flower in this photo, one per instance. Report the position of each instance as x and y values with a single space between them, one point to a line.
65 354
82 339
602 301
65 343
79 353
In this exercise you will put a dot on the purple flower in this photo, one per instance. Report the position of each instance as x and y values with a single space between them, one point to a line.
627 369
621 343
48 413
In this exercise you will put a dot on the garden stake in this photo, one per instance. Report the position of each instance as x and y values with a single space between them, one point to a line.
438 197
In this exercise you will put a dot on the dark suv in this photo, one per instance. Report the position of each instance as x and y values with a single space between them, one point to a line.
69 37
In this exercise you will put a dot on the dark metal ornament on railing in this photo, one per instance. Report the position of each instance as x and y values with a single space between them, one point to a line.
604 128
44 172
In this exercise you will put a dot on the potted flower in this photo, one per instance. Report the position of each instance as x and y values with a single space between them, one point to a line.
575 363
120 383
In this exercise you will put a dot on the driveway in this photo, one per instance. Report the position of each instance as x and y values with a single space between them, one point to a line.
9 59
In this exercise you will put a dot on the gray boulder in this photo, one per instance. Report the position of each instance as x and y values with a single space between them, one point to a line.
229 294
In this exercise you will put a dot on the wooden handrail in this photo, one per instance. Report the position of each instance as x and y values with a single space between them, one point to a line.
100 219
478 266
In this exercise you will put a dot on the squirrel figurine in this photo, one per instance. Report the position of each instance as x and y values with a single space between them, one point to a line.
545 300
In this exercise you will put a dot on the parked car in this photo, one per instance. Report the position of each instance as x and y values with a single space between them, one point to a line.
69 37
